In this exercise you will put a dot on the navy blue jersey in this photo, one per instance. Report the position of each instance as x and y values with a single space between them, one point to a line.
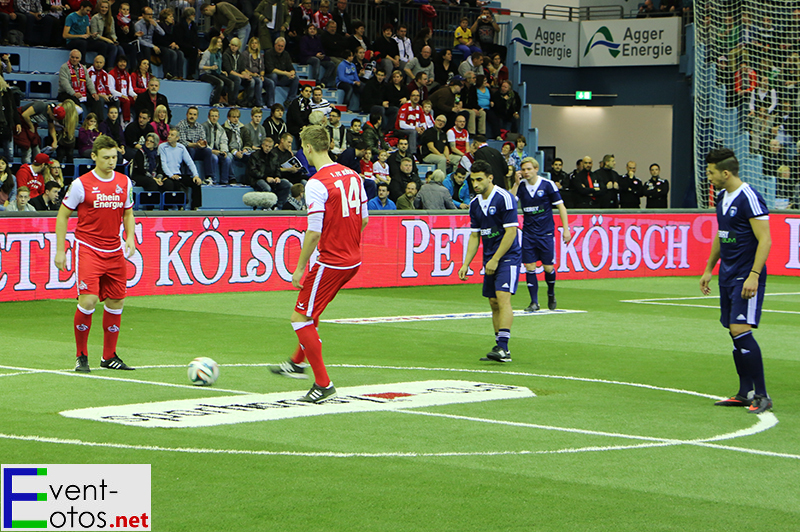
491 217
536 202
737 242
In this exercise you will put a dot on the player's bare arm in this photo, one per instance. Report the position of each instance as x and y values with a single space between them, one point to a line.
517 180
61 237
713 259
310 242
472 250
502 249
761 231
129 223
562 213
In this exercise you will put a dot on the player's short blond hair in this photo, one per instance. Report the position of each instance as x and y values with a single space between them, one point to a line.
104 142
317 137
531 160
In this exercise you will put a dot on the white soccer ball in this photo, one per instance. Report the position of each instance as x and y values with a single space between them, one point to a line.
203 371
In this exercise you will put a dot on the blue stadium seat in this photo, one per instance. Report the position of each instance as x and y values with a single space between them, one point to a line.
146 199
216 198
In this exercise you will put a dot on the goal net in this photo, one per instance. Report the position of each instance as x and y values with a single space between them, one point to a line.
747 94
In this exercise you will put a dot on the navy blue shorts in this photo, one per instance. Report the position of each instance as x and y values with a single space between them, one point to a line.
538 248
503 280
735 309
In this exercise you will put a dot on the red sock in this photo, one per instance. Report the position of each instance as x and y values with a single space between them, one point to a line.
312 346
83 323
299 356
112 317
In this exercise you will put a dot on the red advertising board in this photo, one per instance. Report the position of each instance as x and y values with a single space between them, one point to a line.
204 254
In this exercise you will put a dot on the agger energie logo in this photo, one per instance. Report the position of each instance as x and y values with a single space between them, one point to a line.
605 39
522 39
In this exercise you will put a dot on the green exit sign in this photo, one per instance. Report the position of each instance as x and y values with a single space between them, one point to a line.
583 95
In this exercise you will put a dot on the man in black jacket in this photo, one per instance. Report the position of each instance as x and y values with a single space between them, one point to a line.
397 156
297 114
656 189
136 133
562 181
151 99
344 22
609 183
263 175
585 187
631 188
495 160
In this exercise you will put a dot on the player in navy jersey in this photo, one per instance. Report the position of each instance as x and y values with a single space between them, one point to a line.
494 221
742 246
536 199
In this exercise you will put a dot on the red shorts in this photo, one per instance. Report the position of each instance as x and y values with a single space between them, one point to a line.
320 286
99 273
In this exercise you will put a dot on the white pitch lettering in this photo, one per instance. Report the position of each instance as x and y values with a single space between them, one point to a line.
260 255
672 245
172 257
53 280
280 253
632 248
568 250
647 247
222 257
411 249
794 244
441 249
25 241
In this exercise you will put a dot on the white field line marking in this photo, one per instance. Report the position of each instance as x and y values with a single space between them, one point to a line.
765 421
440 317
72 373
661 301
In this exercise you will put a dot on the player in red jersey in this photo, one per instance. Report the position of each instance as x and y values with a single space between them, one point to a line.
337 215
103 199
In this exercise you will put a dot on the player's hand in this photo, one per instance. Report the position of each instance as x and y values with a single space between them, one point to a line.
704 280
61 261
297 276
750 286
130 247
491 266
567 235
462 272
517 177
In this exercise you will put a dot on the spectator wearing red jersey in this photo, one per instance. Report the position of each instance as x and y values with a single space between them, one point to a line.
410 121
32 175
121 87
458 137
101 80
323 16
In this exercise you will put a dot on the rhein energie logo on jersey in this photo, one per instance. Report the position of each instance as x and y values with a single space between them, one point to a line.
108 201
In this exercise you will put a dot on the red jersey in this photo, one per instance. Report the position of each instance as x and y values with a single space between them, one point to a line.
461 138
366 169
26 177
409 116
100 80
338 192
100 204
320 20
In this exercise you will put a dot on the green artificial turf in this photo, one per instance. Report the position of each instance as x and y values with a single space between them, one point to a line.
396 470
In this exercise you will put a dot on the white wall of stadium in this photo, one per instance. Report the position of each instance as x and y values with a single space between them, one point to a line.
590 43
642 133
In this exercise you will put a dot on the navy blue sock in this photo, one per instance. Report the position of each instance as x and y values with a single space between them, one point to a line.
533 286
745 382
503 336
751 360
550 279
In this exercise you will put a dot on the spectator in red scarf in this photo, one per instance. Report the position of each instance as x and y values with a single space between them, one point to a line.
121 86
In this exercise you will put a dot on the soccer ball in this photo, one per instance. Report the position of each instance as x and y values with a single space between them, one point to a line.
203 371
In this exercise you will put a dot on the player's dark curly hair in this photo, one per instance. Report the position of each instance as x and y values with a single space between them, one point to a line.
482 167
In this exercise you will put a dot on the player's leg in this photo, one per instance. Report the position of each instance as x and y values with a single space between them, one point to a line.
546 252
113 290
529 259
87 273
503 285
533 286
550 279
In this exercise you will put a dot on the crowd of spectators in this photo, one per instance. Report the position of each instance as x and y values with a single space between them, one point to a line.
757 58
423 104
